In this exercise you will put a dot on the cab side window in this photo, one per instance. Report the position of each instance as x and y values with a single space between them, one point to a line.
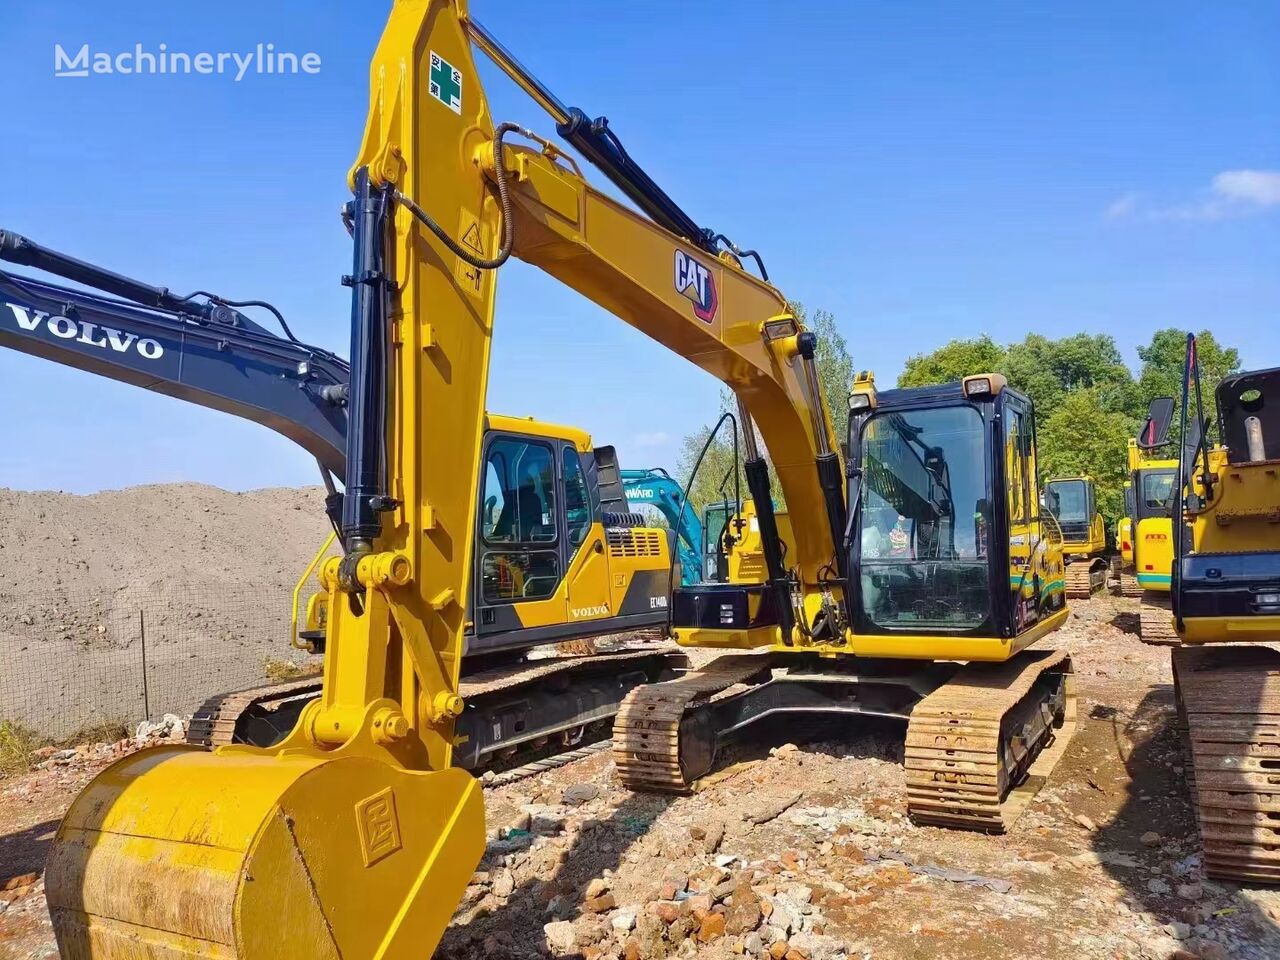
1015 466
577 503
518 522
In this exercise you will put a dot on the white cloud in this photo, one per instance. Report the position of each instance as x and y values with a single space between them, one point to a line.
656 439
1258 187
1231 194
1123 207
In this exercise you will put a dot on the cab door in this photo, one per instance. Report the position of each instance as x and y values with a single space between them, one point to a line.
520 540
585 556
1019 509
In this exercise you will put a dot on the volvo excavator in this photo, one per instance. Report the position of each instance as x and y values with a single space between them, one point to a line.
1073 501
354 836
1145 534
1226 614
562 559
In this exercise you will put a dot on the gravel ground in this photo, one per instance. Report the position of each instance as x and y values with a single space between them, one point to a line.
802 851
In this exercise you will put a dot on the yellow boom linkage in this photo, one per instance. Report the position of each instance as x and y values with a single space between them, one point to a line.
353 837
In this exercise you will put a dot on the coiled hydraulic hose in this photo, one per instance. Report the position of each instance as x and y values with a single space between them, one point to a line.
504 198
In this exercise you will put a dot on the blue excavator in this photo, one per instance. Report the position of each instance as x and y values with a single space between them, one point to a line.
656 488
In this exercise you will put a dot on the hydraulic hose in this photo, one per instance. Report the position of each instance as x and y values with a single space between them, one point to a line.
504 199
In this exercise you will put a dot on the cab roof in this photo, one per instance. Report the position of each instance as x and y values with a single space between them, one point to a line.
580 439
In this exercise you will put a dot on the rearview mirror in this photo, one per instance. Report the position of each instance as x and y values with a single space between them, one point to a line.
1155 429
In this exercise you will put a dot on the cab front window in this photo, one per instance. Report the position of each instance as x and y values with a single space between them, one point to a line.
923 527
1068 501
1156 497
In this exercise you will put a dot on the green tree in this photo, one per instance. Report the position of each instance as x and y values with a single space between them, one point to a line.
1047 370
1080 437
835 366
952 361
1162 365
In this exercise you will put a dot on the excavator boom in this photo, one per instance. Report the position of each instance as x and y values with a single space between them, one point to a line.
363 835
205 353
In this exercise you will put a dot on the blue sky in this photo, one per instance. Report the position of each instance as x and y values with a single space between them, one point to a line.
923 170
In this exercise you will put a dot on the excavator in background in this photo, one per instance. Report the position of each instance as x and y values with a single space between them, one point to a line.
561 557
1226 606
656 488
1073 502
954 561
355 836
1145 535
739 550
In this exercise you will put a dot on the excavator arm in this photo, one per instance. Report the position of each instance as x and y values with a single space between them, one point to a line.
353 837
204 352
461 196
657 489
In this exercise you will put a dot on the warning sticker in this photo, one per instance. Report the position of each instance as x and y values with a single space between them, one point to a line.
445 83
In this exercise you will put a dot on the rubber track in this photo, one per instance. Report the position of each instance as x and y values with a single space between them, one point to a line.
954 762
1229 699
1129 586
1084 578
646 731
214 724
1155 621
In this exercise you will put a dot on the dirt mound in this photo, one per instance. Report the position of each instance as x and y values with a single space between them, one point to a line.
122 603
183 533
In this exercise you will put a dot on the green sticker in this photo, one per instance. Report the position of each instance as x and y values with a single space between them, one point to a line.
445 83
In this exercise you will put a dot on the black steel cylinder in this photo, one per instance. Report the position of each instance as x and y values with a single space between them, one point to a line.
367 401
18 249
757 472
831 477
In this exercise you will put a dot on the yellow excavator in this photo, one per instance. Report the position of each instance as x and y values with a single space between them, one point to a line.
558 559
942 555
1226 614
561 558
1073 502
1145 533
354 836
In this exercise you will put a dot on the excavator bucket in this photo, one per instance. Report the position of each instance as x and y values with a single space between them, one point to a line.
175 852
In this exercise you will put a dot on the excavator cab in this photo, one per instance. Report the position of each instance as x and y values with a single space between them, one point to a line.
558 554
1073 503
948 534
717 527
1147 530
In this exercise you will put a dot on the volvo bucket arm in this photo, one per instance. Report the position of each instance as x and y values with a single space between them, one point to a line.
199 349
